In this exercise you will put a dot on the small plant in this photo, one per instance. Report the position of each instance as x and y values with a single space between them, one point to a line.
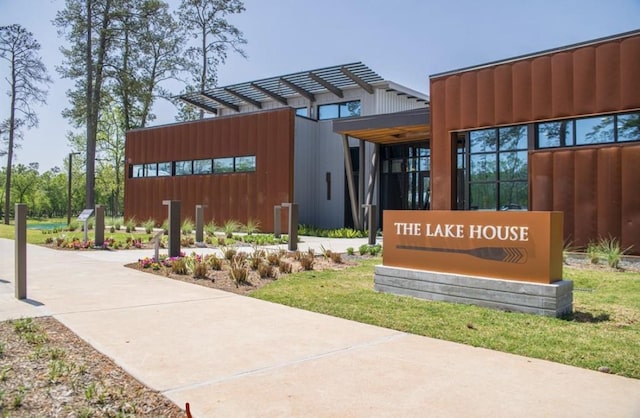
148 225
239 272
229 227
230 253
363 249
375 249
165 226
1 349
350 251
222 241
307 262
265 270
611 250
273 258
179 266
252 226
4 373
18 398
90 391
211 228
57 369
130 225
73 226
214 261
593 252
336 258
200 270
255 261
187 227
112 229
285 267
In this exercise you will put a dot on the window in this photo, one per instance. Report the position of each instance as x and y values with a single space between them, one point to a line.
244 164
339 110
302 111
223 165
164 169
184 168
498 169
241 164
202 167
604 129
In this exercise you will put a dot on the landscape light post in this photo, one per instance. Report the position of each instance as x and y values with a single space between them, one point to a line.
71 154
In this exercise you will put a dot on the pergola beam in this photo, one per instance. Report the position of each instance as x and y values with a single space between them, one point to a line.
357 80
271 94
324 83
222 102
244 98
199 105
298 89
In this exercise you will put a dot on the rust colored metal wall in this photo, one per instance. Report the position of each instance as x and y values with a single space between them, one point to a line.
590 79
595 187
240 196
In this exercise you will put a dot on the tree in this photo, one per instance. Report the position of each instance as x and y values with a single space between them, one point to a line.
206 21
27 82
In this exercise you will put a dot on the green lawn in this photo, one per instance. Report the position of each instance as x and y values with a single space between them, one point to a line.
603 331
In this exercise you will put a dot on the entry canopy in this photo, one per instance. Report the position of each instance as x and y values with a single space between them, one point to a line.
390 128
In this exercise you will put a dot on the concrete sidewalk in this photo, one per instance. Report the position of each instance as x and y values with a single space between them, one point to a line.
234 356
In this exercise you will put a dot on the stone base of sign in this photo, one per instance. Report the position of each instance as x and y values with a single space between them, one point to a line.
555 299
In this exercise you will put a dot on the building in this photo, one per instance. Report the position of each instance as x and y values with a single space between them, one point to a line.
555 130
271 142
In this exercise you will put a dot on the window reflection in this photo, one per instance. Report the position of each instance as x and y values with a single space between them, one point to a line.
598 130
202 167
483 141
223 165
151 169
555 134
339 110
629 127
184 168
244 164
164 169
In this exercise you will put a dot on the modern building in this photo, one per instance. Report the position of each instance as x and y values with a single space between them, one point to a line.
555 130
271 142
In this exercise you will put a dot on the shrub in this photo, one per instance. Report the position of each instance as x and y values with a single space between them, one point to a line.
73 225
148 225
210 228
214 261
255 261
265 270
230 253
375 249
252 226
165 226
238 271
307 262
179 266
336 258
130 225
229 227
200 270
363 249
350 251
273 258
112 229
222 241
593 252
285 267
187 227
610 248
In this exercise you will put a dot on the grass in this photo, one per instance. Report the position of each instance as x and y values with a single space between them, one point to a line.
604 330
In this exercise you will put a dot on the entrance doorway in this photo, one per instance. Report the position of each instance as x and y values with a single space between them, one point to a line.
405 177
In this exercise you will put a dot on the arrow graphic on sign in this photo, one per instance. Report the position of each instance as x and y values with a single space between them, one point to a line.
502 254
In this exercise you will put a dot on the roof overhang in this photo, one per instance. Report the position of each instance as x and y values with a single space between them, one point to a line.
390 128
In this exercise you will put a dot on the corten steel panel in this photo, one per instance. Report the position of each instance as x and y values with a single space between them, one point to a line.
585 224
541 174
522 97
629 70
441 163
239 196
562 84
563 187
630 200
584 89
608 77
541 88
484 96
609 192
502 83
452 110
469 108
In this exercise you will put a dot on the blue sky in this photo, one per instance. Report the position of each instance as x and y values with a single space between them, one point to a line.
403 40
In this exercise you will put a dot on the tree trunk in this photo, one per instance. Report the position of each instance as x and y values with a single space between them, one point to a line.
12 130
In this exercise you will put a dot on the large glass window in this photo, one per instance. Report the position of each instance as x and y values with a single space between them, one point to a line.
339 110
555 134
498 170
151 169
598 130
628 127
